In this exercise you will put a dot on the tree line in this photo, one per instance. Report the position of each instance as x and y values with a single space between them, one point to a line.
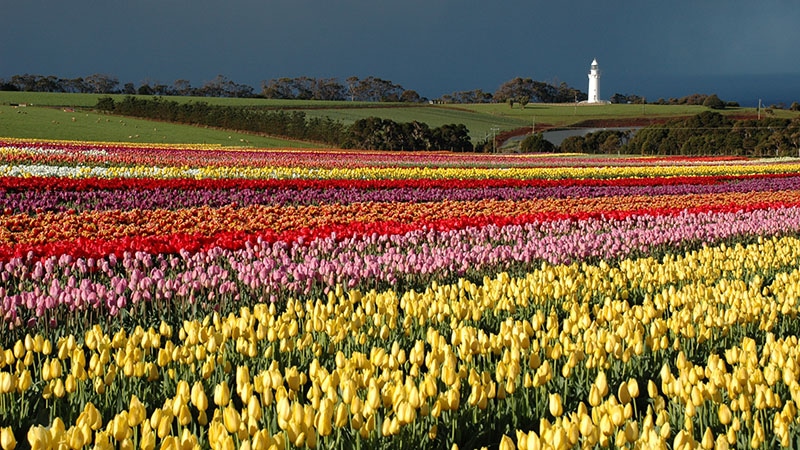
370 133
706 134
369 89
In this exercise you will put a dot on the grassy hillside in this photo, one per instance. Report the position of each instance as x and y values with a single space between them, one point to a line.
45 117
77 124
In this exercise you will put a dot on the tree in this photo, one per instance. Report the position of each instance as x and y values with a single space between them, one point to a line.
453 137
221 86
328 89
628 98
145 89
573 144
101 83
536 143
280 88
473 96
513 89
611 144
713 102
182 87
410 96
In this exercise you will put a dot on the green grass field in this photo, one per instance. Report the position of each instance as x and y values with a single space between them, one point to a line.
77 124
45 117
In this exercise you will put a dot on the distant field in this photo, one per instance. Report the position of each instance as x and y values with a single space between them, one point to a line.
43 120
65 124
90 100
568 114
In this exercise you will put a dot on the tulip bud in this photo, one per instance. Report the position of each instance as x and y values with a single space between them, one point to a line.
198 396
594 396
169 443
38 436
724 414
7 383
136 412
148 438
633 388
222 394
76 438
57 430
25 381
231 419
7 439
506 443
602 383
120 427
58 388
556 409
652 389
622 393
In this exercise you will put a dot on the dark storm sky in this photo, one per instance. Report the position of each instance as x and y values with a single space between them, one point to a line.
742 50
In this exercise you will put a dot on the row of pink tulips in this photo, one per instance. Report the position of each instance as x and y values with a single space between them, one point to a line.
264 272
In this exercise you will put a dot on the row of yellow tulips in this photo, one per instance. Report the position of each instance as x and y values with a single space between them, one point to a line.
291 172
527 351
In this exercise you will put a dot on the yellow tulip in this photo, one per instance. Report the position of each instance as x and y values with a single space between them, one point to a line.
25 381
341 415
633 388
432 431
91 416
169 443
373 396
231 419
602 383
184 415
120 427
631 431
7 383
506 443
147 441
136 412
102 441
622 394
708 439
652 389
57 430
58 388
76 438
38 437
222 394
594 396
164 425
555 406
261 441
7 439
188 441
198 396
722 442
724 414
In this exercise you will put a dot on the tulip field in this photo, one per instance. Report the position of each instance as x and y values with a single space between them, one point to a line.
182 296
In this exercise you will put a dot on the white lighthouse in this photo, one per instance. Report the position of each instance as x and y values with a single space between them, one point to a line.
594 83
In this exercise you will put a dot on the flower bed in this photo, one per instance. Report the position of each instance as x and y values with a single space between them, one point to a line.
279 299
